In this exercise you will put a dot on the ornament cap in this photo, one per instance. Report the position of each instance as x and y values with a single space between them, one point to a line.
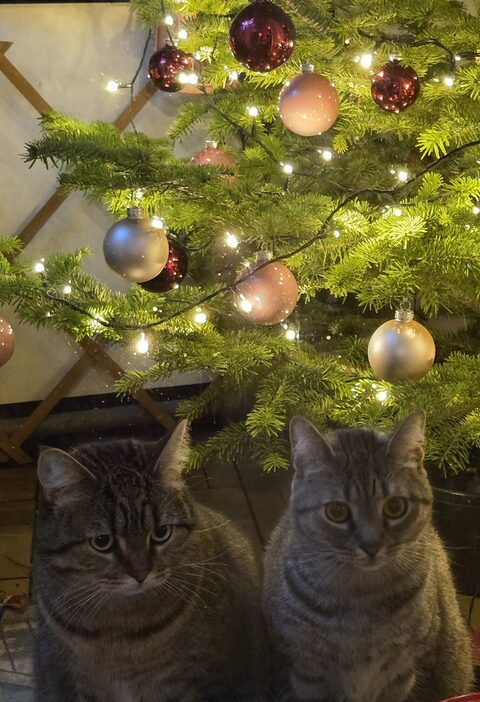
211 144
404 314
307 68
262 256
135 212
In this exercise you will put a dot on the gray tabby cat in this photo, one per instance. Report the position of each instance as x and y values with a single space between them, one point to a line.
358 593
143 594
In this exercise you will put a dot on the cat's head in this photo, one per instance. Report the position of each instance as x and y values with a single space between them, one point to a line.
360 496
115 513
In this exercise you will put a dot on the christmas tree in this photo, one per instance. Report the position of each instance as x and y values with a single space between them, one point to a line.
356 191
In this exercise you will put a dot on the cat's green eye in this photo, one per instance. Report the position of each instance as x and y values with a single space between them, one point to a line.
103 543
337 512
162 533
395 507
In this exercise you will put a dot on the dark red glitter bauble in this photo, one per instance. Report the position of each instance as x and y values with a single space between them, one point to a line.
395 87
176 268
165 65
262 36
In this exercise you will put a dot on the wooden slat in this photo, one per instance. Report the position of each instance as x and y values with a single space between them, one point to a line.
133 108
144 398
18 454
42 216
68 381
20 82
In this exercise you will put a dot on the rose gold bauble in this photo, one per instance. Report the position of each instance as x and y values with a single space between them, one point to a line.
308 103
7 341
134 248
213 156
269 294
401 349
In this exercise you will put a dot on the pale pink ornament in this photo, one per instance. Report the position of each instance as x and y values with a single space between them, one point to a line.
269 294
308 103
211 155
7 341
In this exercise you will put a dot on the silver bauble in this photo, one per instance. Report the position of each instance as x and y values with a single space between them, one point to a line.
134 248
401 349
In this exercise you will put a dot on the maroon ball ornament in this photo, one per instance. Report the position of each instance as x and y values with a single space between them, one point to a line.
262 36
395 87
176 268
165 65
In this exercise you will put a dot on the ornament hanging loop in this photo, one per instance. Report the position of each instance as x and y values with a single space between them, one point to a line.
404 312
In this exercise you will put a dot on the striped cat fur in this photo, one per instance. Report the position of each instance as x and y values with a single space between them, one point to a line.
143 594
358 590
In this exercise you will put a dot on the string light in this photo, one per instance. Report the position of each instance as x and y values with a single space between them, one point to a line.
365 60
157 222
326 154
168 19
200 317
336 233
448 81
287 168
457 57
67 289
187 78
382 395
253 111
233 75
245 304
403 176
182 34
397 211
476 210
291 334
142 344
39 267
231 240
138 194
112 86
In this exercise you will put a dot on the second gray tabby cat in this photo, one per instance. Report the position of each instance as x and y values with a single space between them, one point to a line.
143 594
358 593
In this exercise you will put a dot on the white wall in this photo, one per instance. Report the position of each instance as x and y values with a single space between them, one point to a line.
68 52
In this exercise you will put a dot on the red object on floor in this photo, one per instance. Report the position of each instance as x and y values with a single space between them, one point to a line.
474 697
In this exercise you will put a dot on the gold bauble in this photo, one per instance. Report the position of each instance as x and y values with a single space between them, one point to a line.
401 349
134 248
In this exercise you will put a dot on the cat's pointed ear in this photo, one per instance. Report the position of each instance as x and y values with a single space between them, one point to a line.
174 456
62 478
310 451
407 444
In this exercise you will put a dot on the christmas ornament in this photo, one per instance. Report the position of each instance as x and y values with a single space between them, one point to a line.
262 36
175 270
395 87
134 248
7 341
308 103
212 156
165 67
401 349
268 295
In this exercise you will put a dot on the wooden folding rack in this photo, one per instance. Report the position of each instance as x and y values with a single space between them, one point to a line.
94 353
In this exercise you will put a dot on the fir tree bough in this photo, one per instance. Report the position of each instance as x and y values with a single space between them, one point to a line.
379 242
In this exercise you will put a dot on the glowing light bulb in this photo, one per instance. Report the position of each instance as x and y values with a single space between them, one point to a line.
157 222
182 34
192 78
327 154
287 168
476 210
67 289
231 240
382 395
448 81
457 57
291 334
142 344
200 317
233 75
403 176
397 211
39 267
112 86
253 111
168 19
139 194
336 233
365 60
245 304
183 78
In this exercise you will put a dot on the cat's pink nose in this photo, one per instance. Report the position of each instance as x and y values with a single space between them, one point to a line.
371 550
